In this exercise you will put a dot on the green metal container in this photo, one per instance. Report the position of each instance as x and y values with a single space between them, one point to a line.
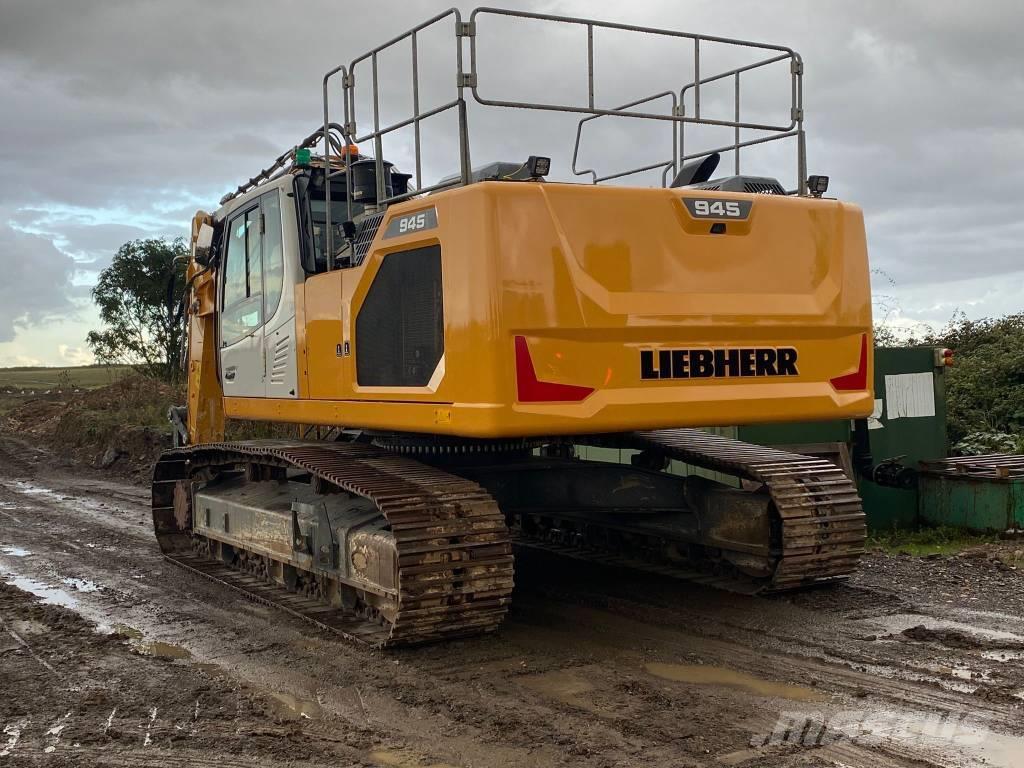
976 503
982 493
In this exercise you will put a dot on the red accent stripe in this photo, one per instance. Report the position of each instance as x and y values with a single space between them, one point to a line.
858 379
532 390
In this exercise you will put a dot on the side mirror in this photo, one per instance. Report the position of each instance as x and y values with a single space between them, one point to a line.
201 246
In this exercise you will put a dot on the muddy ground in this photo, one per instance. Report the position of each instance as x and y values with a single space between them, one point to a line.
110 656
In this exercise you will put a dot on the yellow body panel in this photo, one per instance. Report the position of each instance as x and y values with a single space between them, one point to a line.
590 276
205 396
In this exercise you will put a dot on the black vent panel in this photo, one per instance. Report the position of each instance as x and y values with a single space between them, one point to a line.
364 237
764 187
400 326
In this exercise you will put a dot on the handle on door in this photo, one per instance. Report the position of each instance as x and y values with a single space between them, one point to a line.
229 374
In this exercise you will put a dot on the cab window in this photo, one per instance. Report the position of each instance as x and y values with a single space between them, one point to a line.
318 219
242 302
273 254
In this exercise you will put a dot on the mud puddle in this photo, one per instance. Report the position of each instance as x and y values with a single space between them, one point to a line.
966 673
289 706
49 595
138 643
566 686
67 592
81 585
107 513
28 489
160 650
705 674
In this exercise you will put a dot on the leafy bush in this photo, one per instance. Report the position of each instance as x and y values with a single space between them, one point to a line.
985 386
985 389
981 443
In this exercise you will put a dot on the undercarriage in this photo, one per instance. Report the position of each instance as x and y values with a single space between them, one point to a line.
360 538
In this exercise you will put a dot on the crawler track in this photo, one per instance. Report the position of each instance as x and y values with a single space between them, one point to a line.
455 560
818 528
822 524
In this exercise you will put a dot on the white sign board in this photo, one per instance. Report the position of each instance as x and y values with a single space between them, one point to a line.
909 395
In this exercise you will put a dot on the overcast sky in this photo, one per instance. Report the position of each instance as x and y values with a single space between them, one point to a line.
120 117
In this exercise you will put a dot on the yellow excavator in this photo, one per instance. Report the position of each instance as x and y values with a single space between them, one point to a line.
498 359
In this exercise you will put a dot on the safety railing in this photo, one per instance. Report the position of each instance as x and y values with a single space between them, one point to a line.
672 164
777 132
686 108
353 137
457 102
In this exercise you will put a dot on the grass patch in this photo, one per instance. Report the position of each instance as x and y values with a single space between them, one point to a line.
74 377
942 540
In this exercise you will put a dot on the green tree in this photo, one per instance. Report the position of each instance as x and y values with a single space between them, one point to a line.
138 311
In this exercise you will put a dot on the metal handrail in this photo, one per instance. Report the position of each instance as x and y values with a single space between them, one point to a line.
784 52
671 164
795 127
378 132
327 157
467 30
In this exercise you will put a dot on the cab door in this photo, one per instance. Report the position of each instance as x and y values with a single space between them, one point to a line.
242 322
281 271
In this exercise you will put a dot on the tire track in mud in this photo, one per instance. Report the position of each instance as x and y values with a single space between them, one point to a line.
563 681
73 697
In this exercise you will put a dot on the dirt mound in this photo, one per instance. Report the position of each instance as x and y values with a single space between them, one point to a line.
122 427
950 638
37 416
955 638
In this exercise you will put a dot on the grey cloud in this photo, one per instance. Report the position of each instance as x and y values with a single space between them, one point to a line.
145 111
35 281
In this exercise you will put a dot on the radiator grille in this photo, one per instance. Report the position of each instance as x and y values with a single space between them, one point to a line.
400 326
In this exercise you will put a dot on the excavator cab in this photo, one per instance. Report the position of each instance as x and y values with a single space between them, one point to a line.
518 352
